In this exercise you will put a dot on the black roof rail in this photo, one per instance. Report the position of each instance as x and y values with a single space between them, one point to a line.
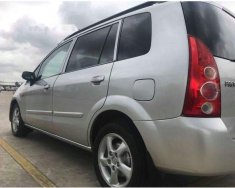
143 5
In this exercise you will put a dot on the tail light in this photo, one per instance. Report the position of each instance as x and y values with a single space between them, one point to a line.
203 97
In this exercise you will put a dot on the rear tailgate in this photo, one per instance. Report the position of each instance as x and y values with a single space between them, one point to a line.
227 79
216 28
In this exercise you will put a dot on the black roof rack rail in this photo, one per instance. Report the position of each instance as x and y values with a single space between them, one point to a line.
143 5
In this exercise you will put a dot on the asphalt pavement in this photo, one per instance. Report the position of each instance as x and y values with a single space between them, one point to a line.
65 165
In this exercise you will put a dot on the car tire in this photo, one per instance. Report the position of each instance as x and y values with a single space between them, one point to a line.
119 156
17 125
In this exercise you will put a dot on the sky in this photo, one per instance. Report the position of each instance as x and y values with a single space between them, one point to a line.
29 30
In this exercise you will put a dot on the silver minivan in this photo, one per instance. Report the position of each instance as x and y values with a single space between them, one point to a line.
153 83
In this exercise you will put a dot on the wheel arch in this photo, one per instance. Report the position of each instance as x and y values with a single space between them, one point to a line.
110 116
13 102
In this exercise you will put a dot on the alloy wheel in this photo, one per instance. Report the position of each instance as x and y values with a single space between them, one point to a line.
16 119
115 160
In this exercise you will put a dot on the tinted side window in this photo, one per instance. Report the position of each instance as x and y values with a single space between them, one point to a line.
135 36
87 50
54 62
108 51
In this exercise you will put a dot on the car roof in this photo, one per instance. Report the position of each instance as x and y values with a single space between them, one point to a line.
141 6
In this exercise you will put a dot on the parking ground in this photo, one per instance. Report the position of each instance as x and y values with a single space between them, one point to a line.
39 160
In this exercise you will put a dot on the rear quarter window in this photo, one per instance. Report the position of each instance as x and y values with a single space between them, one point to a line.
135 36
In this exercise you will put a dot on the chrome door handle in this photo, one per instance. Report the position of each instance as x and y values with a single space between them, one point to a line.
96 80
46 87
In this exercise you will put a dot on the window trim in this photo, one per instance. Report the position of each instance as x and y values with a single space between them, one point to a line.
88 32
115 43
110 28
120 35
117 40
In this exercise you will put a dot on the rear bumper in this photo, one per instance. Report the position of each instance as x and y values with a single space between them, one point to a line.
197 146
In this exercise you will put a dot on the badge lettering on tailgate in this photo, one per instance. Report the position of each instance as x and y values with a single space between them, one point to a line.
229 84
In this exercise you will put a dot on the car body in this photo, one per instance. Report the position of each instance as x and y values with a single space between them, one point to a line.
146 81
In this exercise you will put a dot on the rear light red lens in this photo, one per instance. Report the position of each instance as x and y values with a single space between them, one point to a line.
203 98
210 73
207 108
209 91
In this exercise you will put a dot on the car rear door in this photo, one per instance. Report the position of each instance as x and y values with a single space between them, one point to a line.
82 89
38 96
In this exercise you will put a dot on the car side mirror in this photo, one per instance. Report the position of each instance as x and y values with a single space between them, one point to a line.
29 76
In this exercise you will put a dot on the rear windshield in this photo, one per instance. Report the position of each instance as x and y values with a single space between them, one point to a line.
214 26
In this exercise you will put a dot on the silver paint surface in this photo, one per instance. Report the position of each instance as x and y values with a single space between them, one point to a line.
68 108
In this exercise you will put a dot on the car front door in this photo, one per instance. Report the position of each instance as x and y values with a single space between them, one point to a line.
82 88
38 97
